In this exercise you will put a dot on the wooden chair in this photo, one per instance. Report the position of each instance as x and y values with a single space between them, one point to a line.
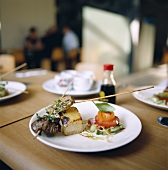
57 54
165 56
19 56
57 59
7 62
94 67
73 58
46 63
73 54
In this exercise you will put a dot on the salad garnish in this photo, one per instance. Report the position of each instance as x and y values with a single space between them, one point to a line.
160 98
104 124
50 122
3 90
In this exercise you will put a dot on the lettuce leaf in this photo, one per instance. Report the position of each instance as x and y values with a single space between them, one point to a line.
104 107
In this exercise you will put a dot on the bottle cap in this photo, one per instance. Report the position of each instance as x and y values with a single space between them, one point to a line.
108 66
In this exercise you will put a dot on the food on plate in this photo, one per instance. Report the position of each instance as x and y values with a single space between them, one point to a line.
3 90
62 82
71 122
160 98
63 117
105 122
63 79
80 81
60 117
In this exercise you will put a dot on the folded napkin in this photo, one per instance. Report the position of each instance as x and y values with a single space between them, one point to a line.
163 84
30 73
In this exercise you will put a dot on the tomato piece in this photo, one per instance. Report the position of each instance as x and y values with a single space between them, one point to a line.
162 98
105 116
91 121
114 122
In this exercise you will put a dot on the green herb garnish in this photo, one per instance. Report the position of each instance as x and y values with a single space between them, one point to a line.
104 107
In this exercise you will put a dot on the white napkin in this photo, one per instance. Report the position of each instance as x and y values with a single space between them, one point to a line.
30 73
163 84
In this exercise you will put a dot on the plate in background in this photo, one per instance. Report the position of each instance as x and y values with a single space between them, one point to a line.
14 89
145 95
50 87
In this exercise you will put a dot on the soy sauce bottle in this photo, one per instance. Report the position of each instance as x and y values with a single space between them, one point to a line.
108 86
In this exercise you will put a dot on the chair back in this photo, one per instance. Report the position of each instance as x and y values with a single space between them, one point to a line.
57 54
7 62
96 68
73 54
19 56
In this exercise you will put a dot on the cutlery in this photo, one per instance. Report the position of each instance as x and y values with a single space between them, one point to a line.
163 121
132 91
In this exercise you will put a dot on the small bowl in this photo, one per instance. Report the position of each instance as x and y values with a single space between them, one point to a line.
62 82
69 72
82 82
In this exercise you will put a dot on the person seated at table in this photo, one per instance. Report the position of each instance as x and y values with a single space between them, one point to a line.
70 44
33 49
51 40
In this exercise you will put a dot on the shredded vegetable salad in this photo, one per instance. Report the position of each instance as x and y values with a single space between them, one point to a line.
104 124
3 90
160 99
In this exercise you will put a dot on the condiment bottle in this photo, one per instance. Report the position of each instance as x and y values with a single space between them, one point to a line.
108 84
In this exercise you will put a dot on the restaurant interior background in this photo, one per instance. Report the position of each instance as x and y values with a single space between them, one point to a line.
131 34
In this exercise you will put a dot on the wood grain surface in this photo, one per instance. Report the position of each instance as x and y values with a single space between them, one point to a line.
149 151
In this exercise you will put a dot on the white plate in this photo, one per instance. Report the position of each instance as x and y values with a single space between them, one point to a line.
14 89
50 87
144 96
78 143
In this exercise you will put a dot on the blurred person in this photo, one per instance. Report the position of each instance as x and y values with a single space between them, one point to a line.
51 40
70 42
33 49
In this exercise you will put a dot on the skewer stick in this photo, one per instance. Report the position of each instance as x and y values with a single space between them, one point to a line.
16 68
100 98
61 98
103 97
37 134
67 89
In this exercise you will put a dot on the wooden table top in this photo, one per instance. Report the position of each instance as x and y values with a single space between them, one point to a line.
26 104
20 151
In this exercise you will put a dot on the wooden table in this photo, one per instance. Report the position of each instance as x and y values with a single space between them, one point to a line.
20 151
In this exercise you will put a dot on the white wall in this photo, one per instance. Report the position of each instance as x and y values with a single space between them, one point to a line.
106 39
17 16
144 52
